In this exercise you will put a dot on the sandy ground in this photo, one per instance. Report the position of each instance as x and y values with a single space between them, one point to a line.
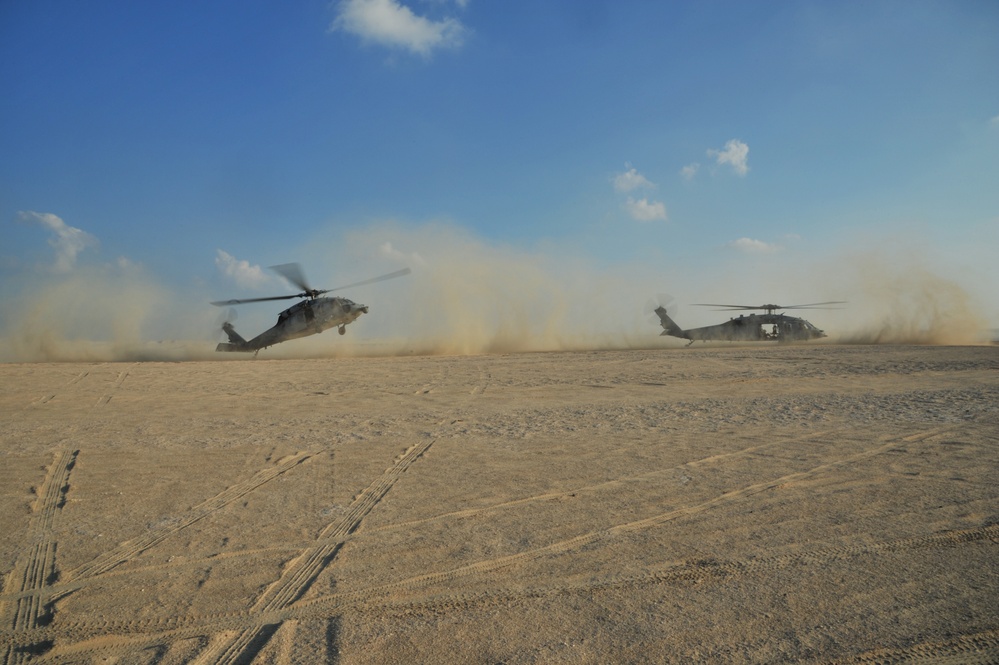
713 504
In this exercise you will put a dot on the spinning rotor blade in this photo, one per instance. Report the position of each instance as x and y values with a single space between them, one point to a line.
705 304
293 273
222 319
223 303
814 305
817 305
664 300
382 278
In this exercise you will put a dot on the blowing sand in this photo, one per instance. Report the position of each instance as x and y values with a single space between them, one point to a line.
719 503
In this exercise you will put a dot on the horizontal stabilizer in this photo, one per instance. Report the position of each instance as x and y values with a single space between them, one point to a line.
226 346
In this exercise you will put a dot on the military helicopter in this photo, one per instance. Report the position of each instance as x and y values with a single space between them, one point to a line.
753 328
308 317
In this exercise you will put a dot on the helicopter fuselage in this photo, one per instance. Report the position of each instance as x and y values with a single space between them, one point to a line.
302 319
752 328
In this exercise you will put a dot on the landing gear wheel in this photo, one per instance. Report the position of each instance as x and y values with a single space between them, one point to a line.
342 330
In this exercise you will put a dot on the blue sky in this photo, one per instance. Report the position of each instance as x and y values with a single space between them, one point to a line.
193 144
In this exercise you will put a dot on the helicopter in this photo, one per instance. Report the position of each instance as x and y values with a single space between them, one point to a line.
308 317
752 328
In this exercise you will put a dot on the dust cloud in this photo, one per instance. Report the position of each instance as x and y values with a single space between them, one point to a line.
466 297
102 313
896 297
469 296
463 297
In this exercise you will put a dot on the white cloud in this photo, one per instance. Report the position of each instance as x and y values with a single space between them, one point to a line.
241 272
630 180
644 210
994 121
66 240
735 153
751 246
689 171
392 24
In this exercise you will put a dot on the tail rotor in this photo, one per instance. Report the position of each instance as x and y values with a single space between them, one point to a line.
664 300
226 317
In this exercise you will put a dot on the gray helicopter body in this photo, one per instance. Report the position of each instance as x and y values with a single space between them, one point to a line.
307 317
752 328
302 319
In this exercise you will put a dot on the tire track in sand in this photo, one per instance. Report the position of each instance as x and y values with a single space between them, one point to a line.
975 649
266 616
38 569
239 641
603 485
471 512
79 377
132 548
36 595
687 572
252 629
299 575
122 375
45 399
561 547
133 636
434 384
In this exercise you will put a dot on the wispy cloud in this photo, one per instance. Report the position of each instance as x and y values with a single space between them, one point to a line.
392 24
630 180
736 153
66 240
751 246
644 210
241 272
689 171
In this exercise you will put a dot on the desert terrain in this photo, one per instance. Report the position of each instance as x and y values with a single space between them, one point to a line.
722 503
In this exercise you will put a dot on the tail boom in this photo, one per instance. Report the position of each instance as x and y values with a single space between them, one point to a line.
669 325
236 341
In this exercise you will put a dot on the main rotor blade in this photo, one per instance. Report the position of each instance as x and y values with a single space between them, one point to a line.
382 278
293 273
704 304
223 303
816 305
